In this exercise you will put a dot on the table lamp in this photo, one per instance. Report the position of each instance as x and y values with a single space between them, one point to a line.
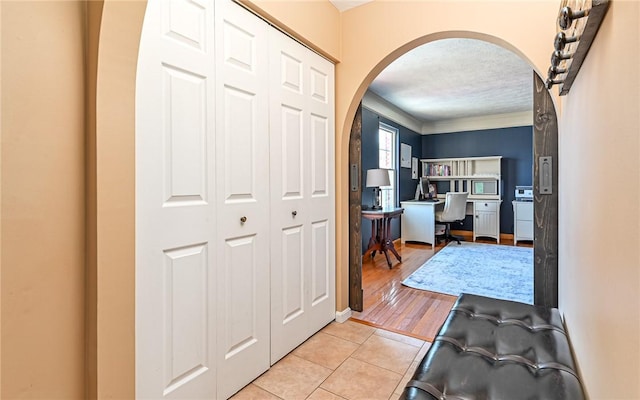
376 178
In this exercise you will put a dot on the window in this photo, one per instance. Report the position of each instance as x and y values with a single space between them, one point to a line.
387 159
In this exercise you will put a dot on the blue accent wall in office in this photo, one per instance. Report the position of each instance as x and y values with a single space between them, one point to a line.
406 185
515 145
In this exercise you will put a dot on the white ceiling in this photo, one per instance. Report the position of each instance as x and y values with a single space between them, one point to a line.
457 78
343 5
453 79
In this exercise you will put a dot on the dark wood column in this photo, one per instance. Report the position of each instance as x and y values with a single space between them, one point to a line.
355 210
545 245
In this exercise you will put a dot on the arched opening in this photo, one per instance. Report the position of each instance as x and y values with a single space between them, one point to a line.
546 232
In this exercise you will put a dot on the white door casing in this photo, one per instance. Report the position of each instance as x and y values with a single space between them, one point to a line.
242 166
175 203
302 193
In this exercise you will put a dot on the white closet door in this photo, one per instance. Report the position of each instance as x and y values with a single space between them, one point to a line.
242 165
302 197
175 200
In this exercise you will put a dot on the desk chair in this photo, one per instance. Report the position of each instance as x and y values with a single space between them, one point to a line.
455 207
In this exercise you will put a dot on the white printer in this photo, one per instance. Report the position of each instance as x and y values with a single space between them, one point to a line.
524 193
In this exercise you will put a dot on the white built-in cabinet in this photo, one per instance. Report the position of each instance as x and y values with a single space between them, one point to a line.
522 221
481 177
486 219
235 253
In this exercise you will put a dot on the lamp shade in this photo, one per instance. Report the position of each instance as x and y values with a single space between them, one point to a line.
378 177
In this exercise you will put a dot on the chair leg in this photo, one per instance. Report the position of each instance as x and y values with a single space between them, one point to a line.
448 236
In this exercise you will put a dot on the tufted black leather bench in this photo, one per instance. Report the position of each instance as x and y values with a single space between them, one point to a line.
497 349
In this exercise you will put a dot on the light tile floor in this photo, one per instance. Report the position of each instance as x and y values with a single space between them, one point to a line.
343 361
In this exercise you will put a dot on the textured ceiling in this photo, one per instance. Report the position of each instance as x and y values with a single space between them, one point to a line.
457 78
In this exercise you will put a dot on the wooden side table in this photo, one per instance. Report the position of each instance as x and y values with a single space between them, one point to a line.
381 232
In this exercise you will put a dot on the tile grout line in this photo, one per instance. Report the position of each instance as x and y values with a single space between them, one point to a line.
375 332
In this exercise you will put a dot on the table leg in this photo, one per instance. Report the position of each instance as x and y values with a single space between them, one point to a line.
375 229
388 259
372 239
392 248
389 243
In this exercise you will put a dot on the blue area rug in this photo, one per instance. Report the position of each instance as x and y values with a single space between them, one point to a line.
502 272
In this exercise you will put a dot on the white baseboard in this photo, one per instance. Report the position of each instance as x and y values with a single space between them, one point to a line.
342 316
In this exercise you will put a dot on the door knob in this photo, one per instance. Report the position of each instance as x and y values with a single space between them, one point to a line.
243 220
294 213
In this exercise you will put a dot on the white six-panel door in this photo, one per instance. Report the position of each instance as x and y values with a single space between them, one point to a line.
234 198
242 165
175 203
302 198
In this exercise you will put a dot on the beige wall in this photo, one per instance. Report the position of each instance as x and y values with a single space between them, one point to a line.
0 201
599 254
314 22
94 19
114 261
45 46
42 200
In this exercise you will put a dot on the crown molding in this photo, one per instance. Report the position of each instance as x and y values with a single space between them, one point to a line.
385 109
495 121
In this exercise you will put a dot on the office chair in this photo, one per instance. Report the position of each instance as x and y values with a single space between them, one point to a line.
455 207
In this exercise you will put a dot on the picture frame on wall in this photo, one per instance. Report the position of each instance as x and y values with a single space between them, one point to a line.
414 168
405 155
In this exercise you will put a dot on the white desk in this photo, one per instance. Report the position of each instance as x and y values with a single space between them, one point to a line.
418 219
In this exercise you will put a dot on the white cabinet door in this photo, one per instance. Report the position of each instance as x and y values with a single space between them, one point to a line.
175 204
523 221
486 222
242 180
302 193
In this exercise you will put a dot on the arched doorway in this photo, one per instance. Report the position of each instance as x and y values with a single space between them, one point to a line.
544 144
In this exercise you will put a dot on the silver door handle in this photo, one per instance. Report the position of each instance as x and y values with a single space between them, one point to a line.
546 175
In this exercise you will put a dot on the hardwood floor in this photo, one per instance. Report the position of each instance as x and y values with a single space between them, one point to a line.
390 305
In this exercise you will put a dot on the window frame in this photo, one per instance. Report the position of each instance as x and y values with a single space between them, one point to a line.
389 194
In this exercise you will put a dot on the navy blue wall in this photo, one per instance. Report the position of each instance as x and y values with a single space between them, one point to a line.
406 186
515 145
